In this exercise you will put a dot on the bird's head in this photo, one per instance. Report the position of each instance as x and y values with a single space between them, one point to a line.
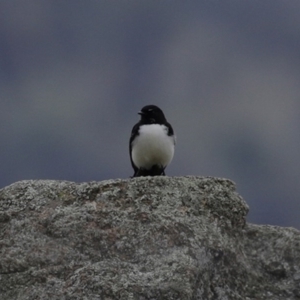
151 114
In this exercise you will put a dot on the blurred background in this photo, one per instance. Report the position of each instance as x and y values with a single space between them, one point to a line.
74 74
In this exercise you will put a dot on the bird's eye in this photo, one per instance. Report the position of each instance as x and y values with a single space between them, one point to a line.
150 109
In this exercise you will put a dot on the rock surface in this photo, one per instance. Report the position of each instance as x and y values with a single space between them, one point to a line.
143 238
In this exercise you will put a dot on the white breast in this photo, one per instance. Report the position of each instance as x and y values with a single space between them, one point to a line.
153 146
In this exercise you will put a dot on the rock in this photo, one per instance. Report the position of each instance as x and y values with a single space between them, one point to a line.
143 238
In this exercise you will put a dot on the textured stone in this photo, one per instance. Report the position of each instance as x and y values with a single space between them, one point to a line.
142 238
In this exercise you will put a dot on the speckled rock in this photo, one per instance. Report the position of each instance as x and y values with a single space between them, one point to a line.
143 238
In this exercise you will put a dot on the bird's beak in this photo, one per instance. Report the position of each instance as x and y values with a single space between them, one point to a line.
141 113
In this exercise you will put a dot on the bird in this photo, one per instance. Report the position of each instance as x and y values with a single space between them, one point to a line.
152 143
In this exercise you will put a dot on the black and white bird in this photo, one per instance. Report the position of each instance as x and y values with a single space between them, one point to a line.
152 143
